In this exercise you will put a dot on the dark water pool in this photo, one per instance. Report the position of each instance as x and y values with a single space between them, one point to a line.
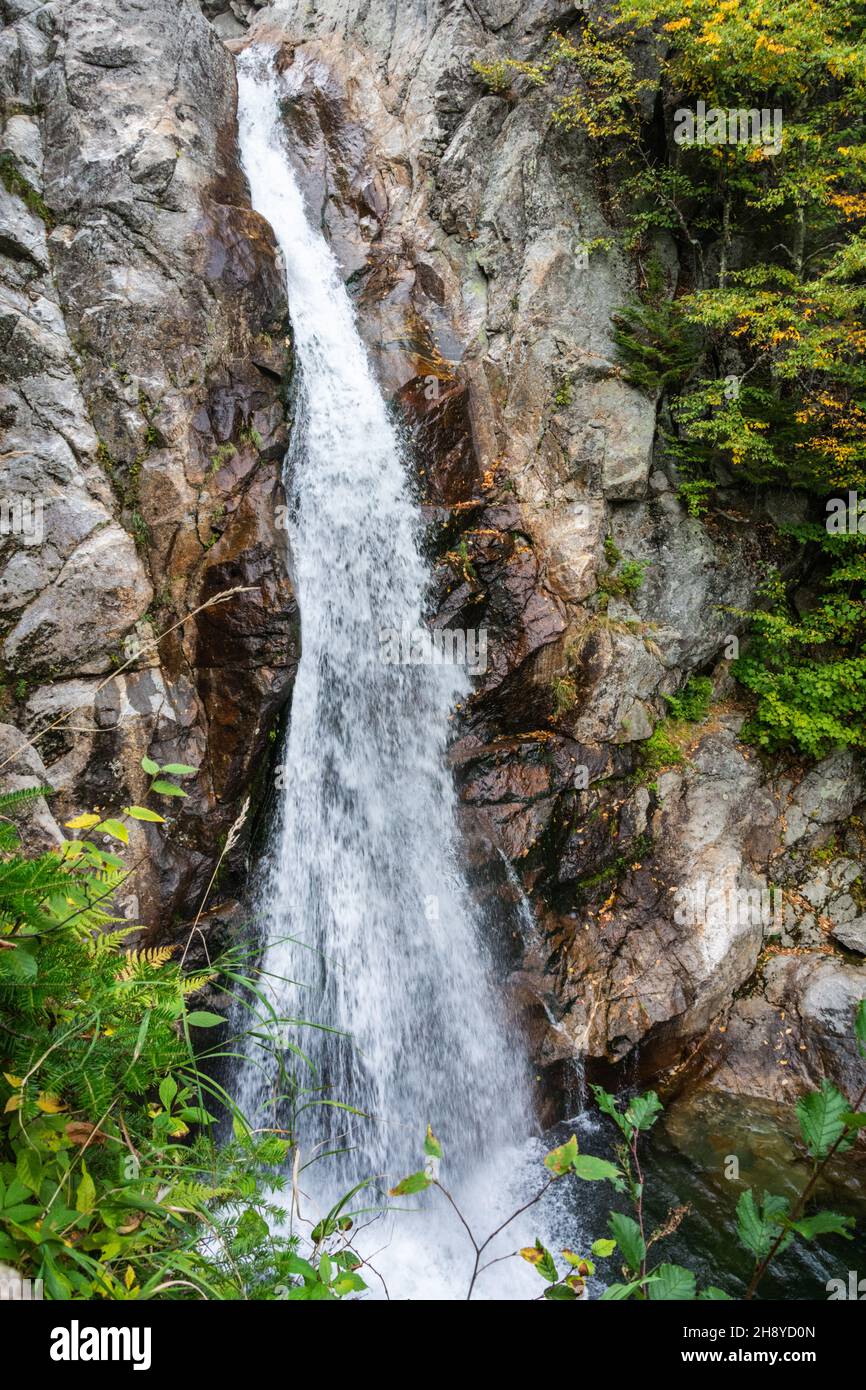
688 1159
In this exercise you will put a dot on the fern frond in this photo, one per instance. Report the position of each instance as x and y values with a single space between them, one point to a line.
191 984
13 801
140 963
103 943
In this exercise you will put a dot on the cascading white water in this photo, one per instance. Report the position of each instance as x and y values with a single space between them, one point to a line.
364 901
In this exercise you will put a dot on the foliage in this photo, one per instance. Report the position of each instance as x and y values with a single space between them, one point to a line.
660 750
564 695
111 1182
808 670
656 344
760 359
626 580
693 701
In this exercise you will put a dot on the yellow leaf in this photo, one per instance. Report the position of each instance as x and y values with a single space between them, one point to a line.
13 1103
15 1081
82 822
129 1276
49 1104
85 1197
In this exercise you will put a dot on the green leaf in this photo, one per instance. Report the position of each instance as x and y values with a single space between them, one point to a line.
539 1256
8 1248
167 789
29 1170
143 813
150 767
616 1292
608 1106
598 1170
603 1248
195 1115
822 1118
326 1269
104 857
561 1293
860 1026
823 1223
674 1284
251 1232
432 1147
26 1211
178 769
20 964
626 1233
560 1160
200 1018
167 1091
115 828
758 1227
416 1182
85 1197
714 1294
294 1264
240 1129
348 1283
643 1111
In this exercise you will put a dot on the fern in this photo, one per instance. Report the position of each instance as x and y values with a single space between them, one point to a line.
92 1058
657 346
141 964
17 800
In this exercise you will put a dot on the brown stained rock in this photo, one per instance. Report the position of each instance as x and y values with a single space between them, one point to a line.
437 415
246 651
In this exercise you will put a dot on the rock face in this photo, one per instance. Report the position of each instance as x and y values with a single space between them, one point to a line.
143 332
462 220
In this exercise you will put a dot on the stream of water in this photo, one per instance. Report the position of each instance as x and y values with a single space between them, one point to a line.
364 904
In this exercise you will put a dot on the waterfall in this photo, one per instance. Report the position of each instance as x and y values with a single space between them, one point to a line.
364 903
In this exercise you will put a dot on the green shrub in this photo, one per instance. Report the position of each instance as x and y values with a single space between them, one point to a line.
564 695
660 750
693 701
808 672
626 580
111 1182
